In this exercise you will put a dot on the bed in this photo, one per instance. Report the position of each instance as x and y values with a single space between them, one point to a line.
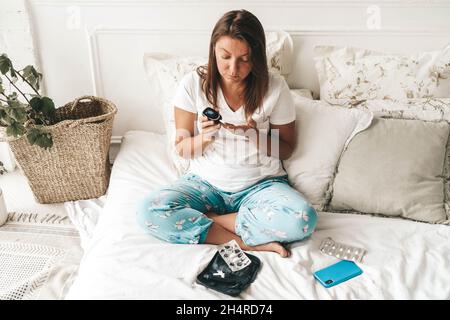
405 259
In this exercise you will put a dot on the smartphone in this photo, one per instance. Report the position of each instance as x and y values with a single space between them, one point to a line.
337 273
212 114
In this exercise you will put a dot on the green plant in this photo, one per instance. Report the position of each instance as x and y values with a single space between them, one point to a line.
24 114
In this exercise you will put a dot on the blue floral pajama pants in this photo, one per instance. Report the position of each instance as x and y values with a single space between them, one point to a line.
270 210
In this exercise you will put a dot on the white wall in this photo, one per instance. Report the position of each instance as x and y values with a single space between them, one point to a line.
16 40
15 32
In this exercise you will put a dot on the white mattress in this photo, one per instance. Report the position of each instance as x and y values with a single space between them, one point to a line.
405 259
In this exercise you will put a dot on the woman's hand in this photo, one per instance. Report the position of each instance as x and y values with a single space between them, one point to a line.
241 130
209 129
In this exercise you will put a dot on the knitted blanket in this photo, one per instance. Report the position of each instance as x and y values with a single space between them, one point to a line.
39 256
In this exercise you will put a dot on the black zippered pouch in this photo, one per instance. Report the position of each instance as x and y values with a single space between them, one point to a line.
218 276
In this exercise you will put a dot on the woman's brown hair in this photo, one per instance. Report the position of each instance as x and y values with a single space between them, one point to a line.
241 25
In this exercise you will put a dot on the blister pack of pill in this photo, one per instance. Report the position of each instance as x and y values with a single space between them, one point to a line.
233 255
342 251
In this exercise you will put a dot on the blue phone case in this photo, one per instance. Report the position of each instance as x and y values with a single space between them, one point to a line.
337 273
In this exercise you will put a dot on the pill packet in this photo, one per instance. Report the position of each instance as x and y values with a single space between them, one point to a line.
233 256
341 251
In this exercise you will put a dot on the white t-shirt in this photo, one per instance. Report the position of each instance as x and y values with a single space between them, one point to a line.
231 163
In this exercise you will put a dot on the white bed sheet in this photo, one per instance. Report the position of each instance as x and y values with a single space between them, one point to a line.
405 259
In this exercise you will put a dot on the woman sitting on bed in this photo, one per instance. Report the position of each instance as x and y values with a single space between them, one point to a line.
236 187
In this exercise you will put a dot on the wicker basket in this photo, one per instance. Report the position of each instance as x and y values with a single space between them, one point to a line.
77 165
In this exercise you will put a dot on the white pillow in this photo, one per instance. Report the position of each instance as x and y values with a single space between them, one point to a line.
358 74
323 131
164 73
305 93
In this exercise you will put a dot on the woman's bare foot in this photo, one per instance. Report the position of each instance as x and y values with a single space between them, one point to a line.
271 247
227 221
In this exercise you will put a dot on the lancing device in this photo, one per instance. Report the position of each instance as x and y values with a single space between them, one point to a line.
212 114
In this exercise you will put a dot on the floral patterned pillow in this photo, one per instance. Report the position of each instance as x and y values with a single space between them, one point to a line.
354 75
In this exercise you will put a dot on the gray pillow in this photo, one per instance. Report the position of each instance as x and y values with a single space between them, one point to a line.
396 167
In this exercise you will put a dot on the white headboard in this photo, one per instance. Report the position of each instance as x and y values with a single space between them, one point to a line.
96 47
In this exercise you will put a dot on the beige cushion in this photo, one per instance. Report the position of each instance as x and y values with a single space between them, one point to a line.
394 168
